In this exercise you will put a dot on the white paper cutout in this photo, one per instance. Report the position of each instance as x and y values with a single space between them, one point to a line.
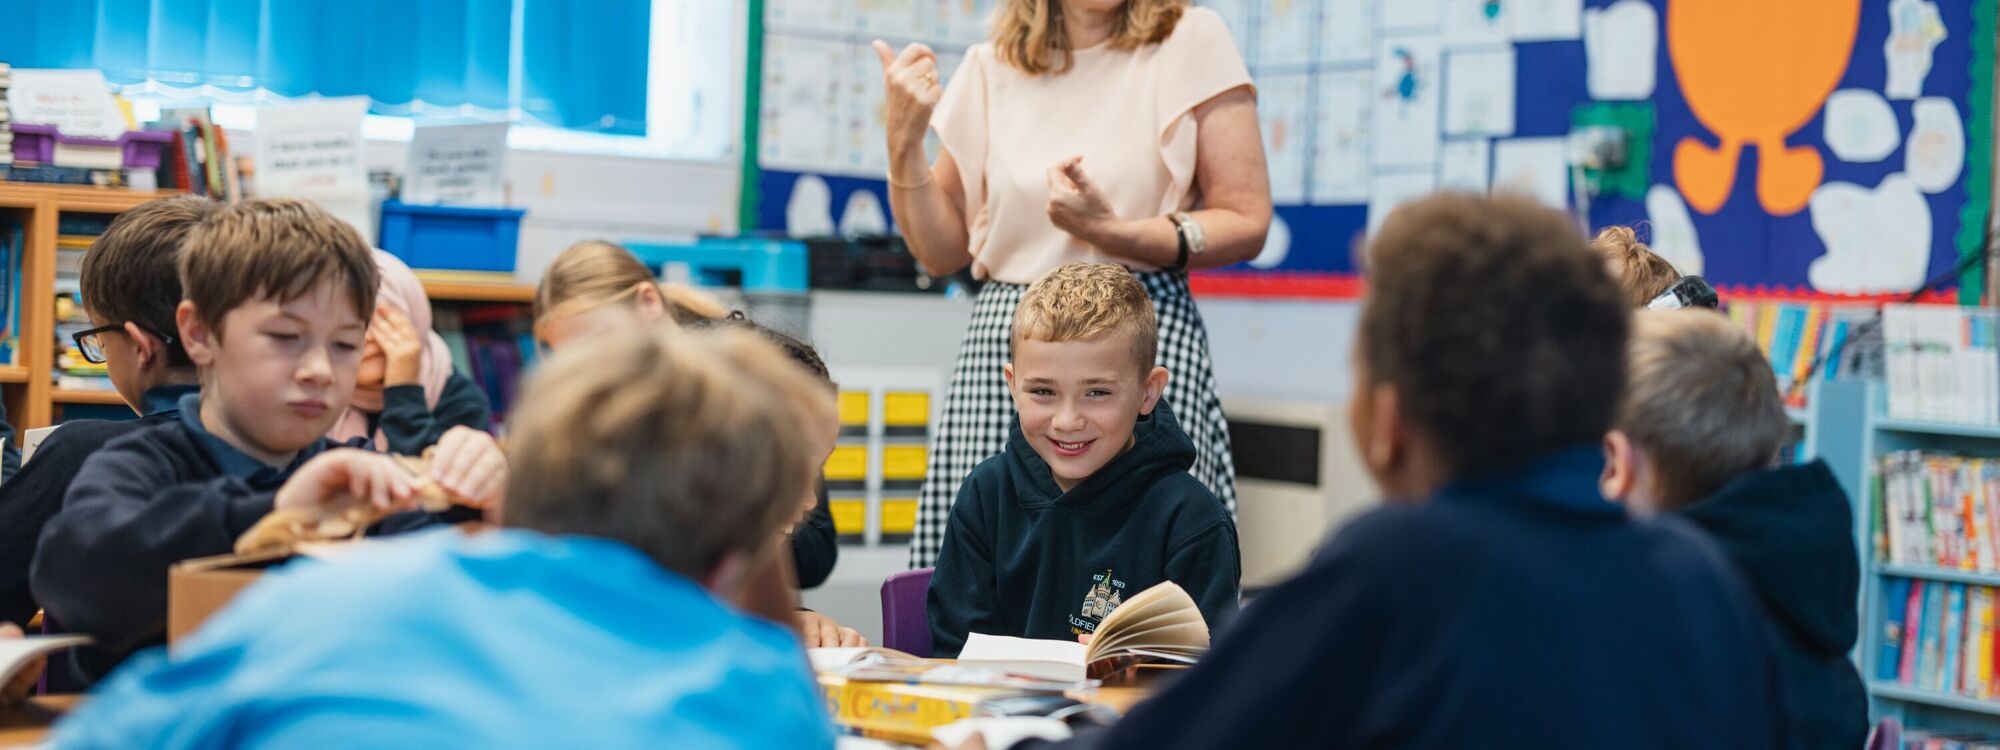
1465 165
1479 92
809 212
1860 127
1915 30
1281 112
1475 22
1285 33
1936 151
1341 145
1408 14
1622 44
1876 241
1405 102
863 216
1393 189
1346 30
801 102
1674 237
1536 167
1277 245
1545 20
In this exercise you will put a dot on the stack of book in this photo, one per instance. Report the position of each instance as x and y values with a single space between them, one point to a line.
1942 363
1933 509
1928 740
1802 340
6 120
74 233
199 160
492 344
1938 636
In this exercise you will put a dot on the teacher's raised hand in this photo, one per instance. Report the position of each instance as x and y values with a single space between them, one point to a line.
1078 206
911 80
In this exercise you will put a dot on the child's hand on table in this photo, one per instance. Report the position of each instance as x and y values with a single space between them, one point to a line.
818 630
18 688
469 463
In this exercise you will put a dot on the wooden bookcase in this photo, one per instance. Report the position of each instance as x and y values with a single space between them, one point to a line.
29 384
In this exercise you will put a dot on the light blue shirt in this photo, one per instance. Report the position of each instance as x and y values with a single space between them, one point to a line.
509 639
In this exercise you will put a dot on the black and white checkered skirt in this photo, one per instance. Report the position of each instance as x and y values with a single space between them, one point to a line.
978 413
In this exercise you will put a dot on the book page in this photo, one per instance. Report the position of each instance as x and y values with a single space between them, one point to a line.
1049 659
15 653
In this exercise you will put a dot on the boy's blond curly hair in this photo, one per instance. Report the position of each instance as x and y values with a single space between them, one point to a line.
1085 301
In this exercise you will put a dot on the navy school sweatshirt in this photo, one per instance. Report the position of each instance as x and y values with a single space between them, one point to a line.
410 424
1790 532
30 497
1023 558
1512 610
152 498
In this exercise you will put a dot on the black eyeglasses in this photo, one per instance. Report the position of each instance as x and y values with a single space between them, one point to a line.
91 342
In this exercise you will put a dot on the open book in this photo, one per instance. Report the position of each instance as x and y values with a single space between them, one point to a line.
1161 623
15 653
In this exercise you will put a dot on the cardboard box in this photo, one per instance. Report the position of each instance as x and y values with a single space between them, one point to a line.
198 588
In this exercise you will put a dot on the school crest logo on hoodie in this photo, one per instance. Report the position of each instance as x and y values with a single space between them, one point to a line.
1105 594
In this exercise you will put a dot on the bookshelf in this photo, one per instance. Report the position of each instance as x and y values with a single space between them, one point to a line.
1855 426
32 399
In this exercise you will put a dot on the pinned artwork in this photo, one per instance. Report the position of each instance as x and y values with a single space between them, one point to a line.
1674 236
1394 189
863 216
1877 241
1479 92
1285 34
1409 14
1535 167
1621 43
1341 145
1346 30
1860 127
1282 114
1465 165
1405 102
1915 30
809 212
1545 20
1475 22
1756 94
1936 151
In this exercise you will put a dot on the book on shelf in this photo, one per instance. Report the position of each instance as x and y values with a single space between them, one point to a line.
1942 363
56 175
1795 337
1937 509
1924 739
1939 637
491 344
1160 624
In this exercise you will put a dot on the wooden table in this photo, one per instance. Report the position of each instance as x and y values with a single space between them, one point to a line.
29 722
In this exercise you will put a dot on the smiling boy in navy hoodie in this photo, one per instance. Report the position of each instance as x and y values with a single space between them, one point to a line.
279 293
1091 503
1697 432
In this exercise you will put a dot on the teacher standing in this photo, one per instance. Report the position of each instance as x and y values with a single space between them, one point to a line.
1114 131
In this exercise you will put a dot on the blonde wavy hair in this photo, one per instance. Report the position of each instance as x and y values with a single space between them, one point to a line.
1031 35
1085 301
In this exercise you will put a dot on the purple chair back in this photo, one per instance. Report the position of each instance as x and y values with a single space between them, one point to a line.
1887 735
905 625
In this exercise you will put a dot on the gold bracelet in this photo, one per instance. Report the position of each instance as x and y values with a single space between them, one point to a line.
928 177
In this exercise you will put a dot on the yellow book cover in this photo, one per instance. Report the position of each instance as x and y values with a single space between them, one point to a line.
1809 341
1767 327
1985 652
901 712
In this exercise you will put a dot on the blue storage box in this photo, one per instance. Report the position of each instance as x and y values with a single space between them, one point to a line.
459 238
756 265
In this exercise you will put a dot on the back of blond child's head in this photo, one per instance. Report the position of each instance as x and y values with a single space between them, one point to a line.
684 445
1641 273
281 248
1703 402
593 273
1085 302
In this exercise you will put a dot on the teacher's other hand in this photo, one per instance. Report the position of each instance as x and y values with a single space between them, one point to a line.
911 81
1077 205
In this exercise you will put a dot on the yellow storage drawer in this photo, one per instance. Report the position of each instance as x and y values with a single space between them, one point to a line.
899 515
854 408
849 463
906 408
850 516
904 462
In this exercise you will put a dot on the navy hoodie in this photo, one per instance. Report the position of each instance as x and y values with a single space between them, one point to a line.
29 498
1023 558
167 493
1790 532
1512 610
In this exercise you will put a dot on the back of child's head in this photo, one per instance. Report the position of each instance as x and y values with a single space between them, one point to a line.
280 248
682 444
1702 403
800 351
1504 336
1086 302
132 272
592 273
1641 273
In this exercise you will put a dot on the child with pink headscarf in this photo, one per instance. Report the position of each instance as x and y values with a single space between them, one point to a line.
406 394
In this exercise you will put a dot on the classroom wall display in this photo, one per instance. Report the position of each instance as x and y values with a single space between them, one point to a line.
1791 147
1788 147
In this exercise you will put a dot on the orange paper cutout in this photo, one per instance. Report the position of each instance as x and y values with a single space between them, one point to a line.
1754 73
